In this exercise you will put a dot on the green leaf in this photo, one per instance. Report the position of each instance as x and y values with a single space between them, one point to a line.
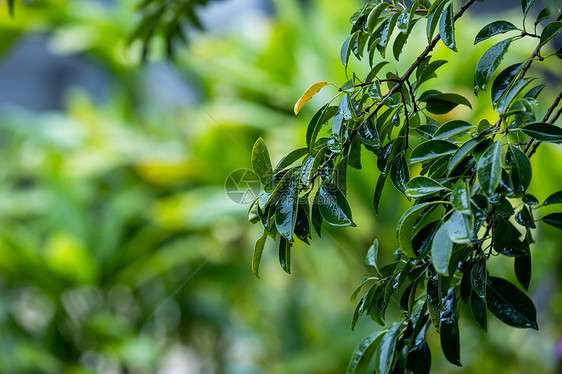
449 328
502 235
510 94
460 199
489 168
316 217
364 352
544 132
406 228
447 28
292 157
545 13
521 169
442 103
373 17
550 31
378 192
478 308
260 160
423 186
451 129
553 219
346 50
488 64
369 135
503 80
510 305
459 230
478 277
400 174
555 198
258 250
333 206
318 120
524 218
385 352
426 71
494 28
434 16
372 254
522 267
285 255
461 154
432 149
526 6
286 209
441 249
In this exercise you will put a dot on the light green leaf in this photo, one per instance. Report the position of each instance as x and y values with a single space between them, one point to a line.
441 249
260 160
432 149
258 250
451 129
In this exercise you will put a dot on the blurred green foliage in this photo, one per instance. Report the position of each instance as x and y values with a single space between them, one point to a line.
119 249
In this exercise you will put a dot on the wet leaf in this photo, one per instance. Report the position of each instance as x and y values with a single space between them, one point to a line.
494 28
441 249
489 168
422 186
488 64
333 206
510 305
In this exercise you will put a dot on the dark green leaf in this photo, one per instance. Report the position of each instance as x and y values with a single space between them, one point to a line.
544 132
320 118
378 192
449 328
302 227
489 168
423 239
522 267
346 50
447 28
442 103
434 16
426 131
510 305
503 80
521 169
452 128
316 217
545 13
406 228
530 200
524 218
373 17
285 255
422 186
400 174
369 135
441 249
550 31
432 149
553 219
478 277
494 28
286 208
258 250
385 352
364 352
478 308
510 94
461 154
333 206
502 235
488 64
555 198
288 160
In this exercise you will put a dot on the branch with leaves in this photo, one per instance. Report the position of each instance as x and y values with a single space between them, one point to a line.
470 199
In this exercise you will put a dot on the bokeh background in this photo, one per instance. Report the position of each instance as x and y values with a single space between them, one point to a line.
120 251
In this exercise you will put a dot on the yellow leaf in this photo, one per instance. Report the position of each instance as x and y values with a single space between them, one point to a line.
309 93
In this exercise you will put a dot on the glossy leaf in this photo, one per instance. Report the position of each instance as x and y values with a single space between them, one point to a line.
385 352
406 228
422 186
544 132
460 154
364 352
550 31
502 235
555 198
525 218
286 209
510 94
452 128
458 227
285 255
526 6
373 17
378 192
432 149
333 206
523 268
434 16
494 28
510 305
554 220
488 64
372 254
369 135
489 168
503 80
400 174
261 162
460 199
478 277
449 328
441 249
292 157
521 169
447 28
478 308
258 250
